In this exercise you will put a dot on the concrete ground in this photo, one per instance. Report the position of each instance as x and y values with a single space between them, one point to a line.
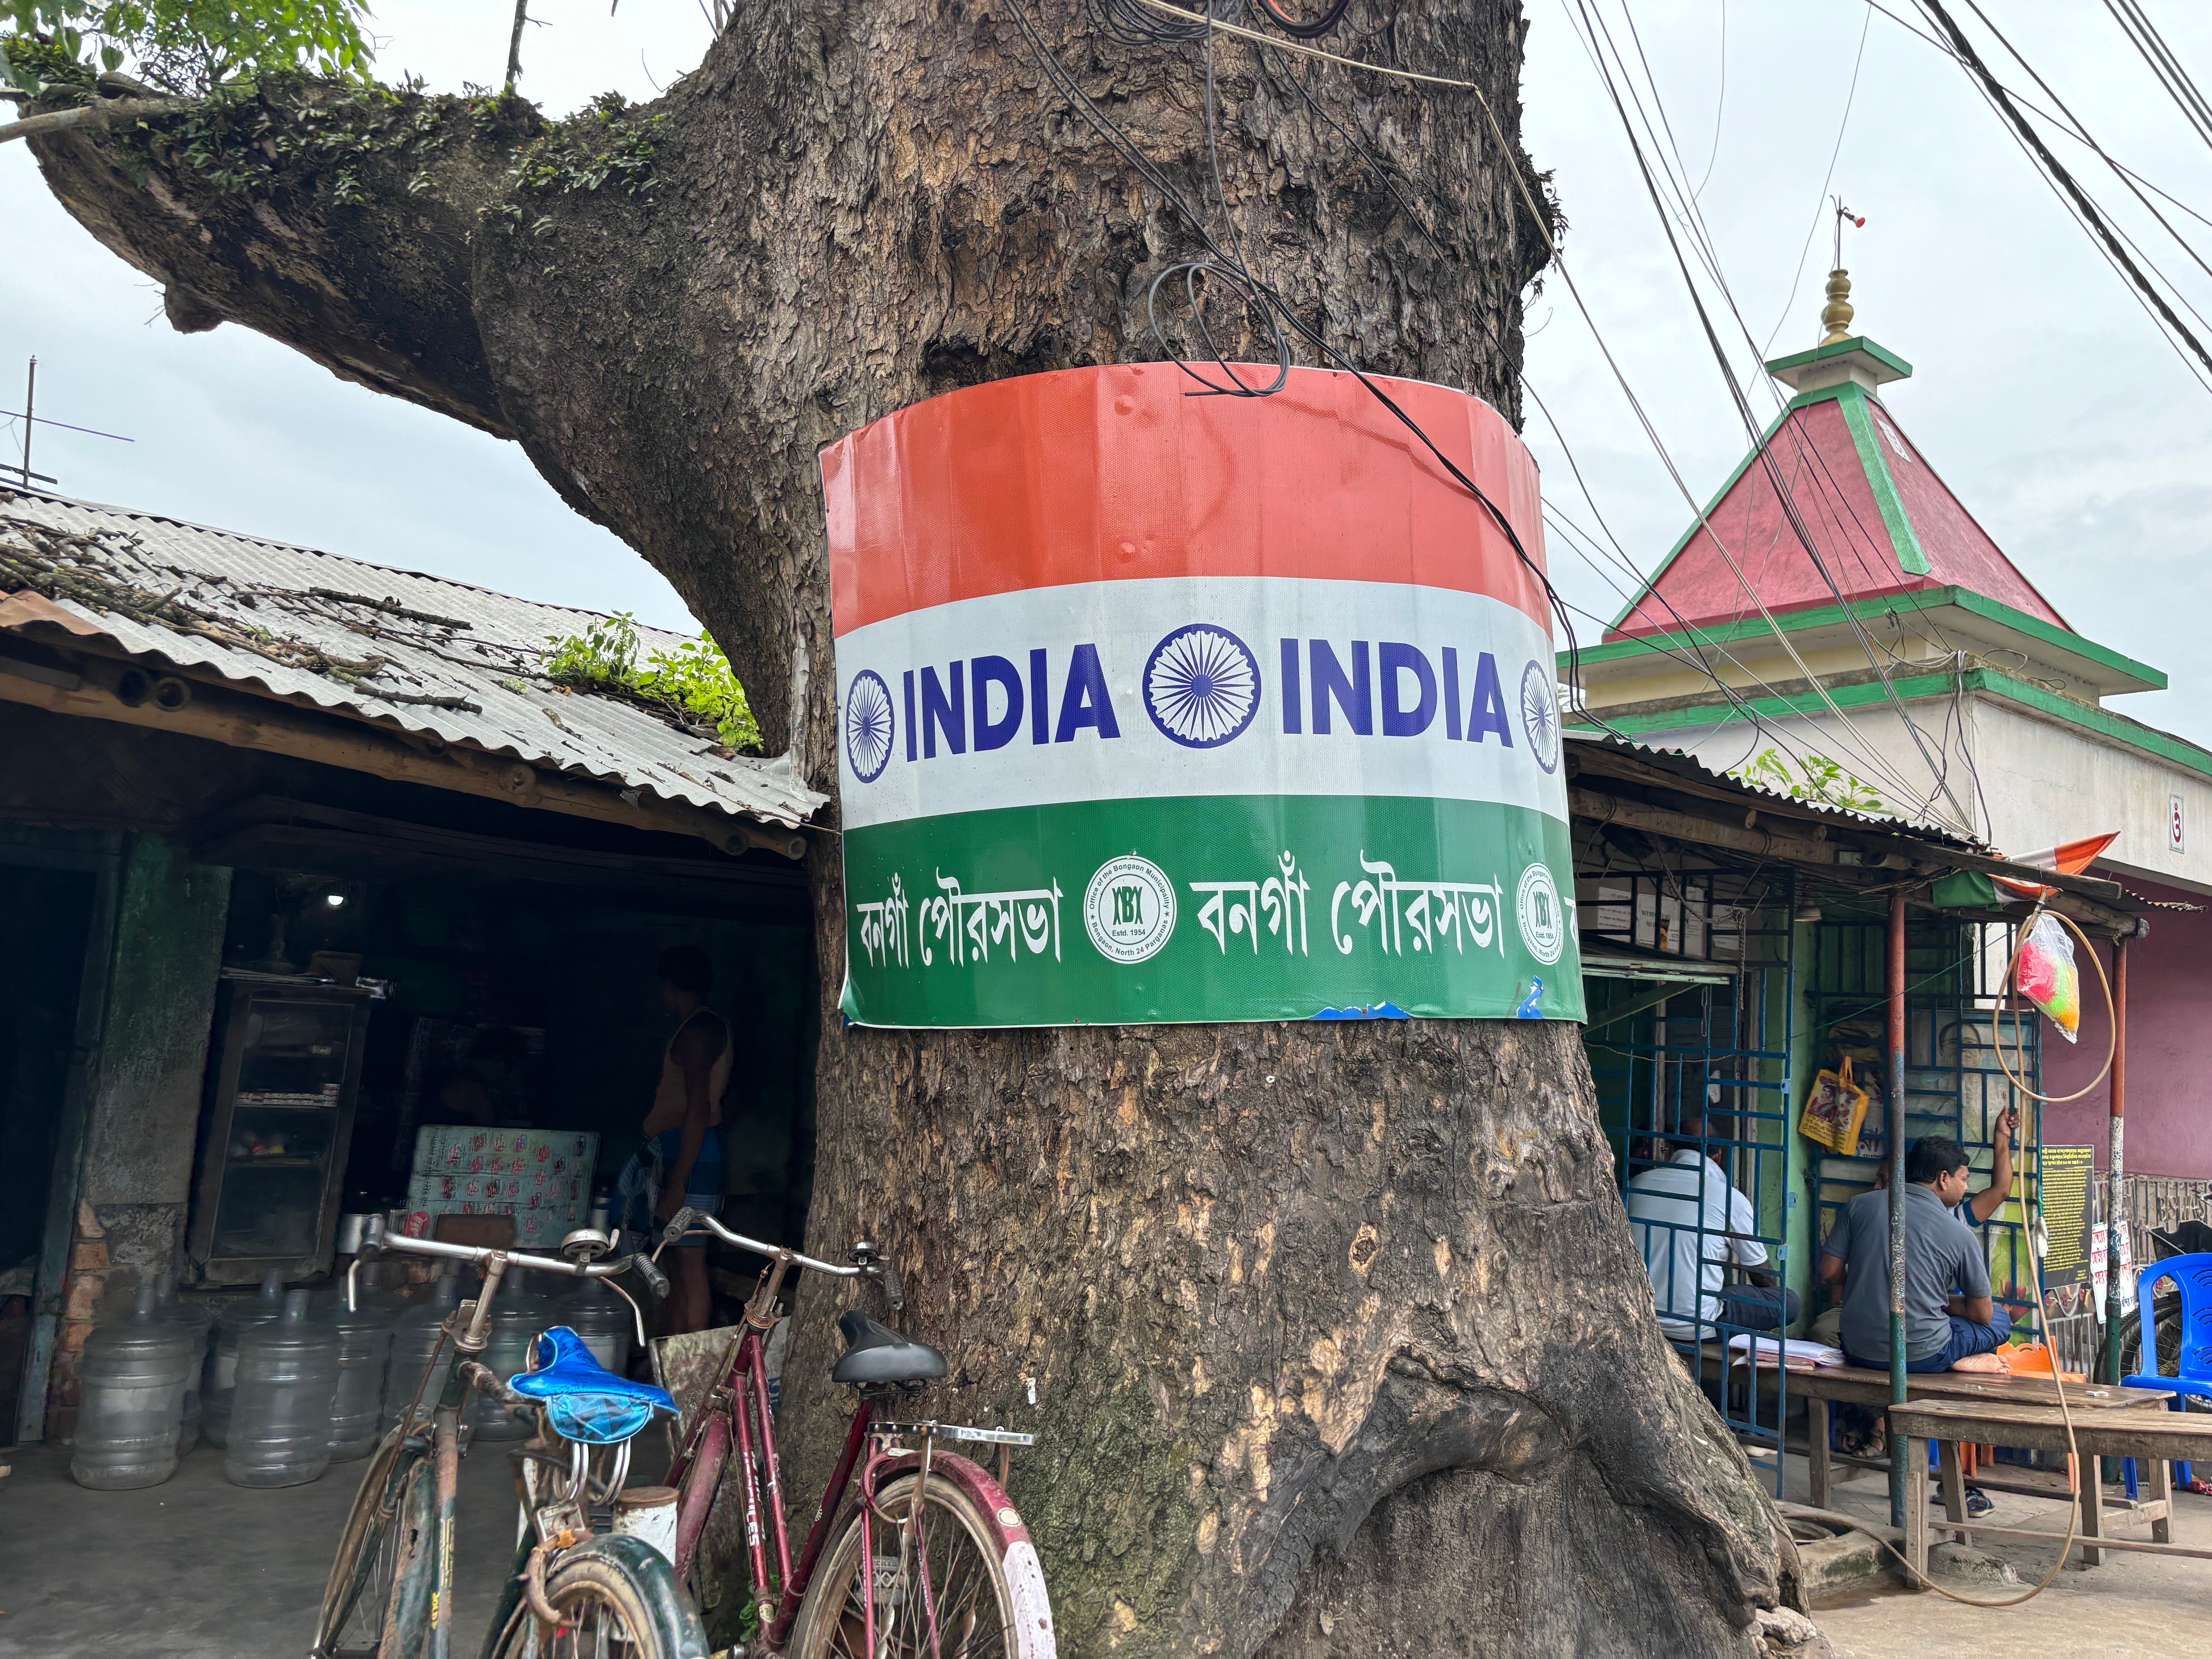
197 1568
2132 1607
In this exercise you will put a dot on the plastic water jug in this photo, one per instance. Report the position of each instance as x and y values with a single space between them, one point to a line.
132 1392
414 1337
280 1421
599 1315
517 1315
198 1319
364 1353
236 1319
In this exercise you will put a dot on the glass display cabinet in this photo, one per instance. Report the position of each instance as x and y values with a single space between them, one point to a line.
280 1119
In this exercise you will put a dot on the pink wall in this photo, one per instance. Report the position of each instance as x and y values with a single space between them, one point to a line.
2169 1105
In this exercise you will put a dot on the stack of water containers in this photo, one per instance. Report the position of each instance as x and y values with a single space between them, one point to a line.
364 1336
280 1418
237 1318
595 1310
414 1338
517 1317
131 1384
197 1319
286 1389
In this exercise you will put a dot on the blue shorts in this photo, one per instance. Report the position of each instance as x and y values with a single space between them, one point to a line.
1966 1338
704 1190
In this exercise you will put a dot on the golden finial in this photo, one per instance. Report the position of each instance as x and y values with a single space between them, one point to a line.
1836 315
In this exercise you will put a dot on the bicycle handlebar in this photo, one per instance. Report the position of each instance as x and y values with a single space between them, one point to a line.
687 1219
377 1238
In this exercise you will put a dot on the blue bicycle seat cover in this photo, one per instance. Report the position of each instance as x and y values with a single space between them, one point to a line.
584 1400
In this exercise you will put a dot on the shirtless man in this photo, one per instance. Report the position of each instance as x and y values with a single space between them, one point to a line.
687 1109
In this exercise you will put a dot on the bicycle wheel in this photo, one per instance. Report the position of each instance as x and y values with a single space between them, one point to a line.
989 1598
616 1599
377 1603
2167 1312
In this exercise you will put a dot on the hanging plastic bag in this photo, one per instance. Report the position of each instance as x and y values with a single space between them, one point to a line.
2047 976
1834 1108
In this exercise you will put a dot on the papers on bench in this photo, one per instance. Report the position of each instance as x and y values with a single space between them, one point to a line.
1794 1355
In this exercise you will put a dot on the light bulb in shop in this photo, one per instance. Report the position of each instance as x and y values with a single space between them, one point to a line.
335 899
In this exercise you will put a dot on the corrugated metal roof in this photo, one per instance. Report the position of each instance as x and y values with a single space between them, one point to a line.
419 653
1684 764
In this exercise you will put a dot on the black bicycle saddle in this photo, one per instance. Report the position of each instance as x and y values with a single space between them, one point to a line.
876 1353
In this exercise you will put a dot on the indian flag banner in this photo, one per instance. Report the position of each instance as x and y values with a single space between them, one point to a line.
1156 707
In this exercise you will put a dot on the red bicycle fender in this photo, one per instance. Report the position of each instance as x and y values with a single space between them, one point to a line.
1025 1574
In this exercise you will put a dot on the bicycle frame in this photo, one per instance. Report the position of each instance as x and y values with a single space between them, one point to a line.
697 1473
740 1404
469 1341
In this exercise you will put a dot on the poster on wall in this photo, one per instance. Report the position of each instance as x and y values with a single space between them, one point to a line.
2063 1178
1161 708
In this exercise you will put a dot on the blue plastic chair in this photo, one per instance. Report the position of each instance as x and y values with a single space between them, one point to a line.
2192 1277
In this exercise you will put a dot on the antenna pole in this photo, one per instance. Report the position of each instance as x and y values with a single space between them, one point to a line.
30 409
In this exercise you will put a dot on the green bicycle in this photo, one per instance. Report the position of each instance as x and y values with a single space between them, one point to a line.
590 1573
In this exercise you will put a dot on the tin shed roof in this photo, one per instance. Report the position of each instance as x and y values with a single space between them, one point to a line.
417 653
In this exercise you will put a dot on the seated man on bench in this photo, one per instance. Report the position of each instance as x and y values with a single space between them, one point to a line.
1693 1226
1951 1321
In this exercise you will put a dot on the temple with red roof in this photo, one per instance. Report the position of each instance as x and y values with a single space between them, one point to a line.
1837 605
1833 585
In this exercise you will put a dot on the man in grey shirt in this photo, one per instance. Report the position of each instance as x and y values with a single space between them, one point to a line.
1949 1314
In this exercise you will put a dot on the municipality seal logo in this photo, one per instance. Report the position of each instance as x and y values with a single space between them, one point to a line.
1540 713
1201 686
1129 909
1543 920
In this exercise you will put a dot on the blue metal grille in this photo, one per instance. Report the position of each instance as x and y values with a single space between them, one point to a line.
1954 1086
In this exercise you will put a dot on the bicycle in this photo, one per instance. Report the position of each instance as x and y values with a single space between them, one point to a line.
929 1560
577 1588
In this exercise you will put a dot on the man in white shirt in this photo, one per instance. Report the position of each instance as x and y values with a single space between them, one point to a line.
1691 1223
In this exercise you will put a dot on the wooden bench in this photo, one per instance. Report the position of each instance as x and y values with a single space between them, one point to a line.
2155 1439
1852 1386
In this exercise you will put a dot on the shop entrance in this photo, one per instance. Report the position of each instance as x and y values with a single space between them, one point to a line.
498 1049
50 913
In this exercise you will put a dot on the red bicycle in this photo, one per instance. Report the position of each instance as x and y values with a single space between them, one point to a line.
928 1559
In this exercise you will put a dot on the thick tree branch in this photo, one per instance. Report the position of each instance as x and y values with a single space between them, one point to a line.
102 115
338 220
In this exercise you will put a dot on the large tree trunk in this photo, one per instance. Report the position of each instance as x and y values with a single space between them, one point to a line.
1338 1339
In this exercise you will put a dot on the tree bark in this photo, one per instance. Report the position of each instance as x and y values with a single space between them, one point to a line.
1338 1339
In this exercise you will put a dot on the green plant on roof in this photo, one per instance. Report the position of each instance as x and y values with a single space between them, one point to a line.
693 682
1818 781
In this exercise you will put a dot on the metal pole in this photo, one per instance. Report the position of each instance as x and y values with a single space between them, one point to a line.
2116 1210
30 410
1904 1483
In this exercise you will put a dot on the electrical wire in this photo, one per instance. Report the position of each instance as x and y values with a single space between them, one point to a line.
1926 39
2081 132
1820 212
1593 27
2165 67
1254 287
2058 173
1758 439
1720 105
1297 27
1179 24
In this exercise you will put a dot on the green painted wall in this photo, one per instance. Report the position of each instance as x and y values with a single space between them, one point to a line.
145 1100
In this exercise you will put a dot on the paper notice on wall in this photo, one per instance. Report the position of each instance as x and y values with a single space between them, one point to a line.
2099 1265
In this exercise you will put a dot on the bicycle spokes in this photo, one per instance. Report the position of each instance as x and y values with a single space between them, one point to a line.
931 1588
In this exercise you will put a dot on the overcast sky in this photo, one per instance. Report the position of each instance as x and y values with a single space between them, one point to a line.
2047 401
